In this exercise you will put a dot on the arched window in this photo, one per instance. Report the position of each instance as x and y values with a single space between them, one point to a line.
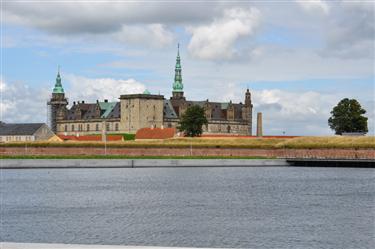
72 127
88 127
97 127
66 128
116 126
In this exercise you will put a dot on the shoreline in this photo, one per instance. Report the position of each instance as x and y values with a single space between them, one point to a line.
179 163
137 163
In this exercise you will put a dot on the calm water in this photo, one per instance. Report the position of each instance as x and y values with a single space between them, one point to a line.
197 207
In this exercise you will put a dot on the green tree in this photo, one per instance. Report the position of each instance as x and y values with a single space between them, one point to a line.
347 116
192 121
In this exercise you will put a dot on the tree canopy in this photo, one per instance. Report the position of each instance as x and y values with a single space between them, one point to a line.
192 121
347 116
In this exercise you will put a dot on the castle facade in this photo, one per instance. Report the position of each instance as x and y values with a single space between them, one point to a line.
135 111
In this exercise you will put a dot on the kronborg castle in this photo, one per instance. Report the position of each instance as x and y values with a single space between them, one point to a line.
135 111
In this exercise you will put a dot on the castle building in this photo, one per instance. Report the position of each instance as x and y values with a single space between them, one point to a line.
135 111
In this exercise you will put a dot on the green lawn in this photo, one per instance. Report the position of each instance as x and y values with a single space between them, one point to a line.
329 142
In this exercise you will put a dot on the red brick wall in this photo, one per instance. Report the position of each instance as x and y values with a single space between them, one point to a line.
289 153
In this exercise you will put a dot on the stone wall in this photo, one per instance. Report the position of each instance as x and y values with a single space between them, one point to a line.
215 127
279 153
86 127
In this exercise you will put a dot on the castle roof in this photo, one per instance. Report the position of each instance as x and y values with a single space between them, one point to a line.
106 108
21 129
58 86
169 112
90 110
115 112
155 133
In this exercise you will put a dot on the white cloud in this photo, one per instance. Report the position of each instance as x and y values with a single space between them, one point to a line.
296 113
22 103
350 33
91 89
314 5
217 40
102 17
140 23
152 35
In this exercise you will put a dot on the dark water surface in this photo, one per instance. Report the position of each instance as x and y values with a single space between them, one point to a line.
197 207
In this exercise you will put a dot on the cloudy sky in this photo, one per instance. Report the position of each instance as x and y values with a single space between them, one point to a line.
298 58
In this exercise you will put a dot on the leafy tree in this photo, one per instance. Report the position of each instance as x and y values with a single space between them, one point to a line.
347 116
192 121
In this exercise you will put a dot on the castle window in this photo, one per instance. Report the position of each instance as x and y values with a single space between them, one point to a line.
88 127
72 127
116 126
66 128
97 127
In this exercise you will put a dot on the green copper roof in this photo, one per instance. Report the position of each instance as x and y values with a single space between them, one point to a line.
224 105
58 86
107 107
146 92
177 85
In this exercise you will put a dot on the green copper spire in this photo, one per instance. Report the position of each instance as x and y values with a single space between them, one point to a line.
146 92
177 85
58 87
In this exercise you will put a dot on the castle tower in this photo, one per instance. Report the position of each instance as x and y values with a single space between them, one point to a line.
247 111
57 104
248 98
178 87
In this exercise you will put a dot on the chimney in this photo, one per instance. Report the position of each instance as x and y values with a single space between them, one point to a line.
259 125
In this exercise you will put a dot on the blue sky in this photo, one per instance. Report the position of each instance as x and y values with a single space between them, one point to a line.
298 59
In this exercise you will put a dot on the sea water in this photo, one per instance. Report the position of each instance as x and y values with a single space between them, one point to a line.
258 207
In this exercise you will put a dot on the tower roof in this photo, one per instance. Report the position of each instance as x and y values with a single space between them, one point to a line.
58 86
146 92
177 85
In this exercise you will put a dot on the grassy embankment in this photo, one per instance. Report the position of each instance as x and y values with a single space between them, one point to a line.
333 142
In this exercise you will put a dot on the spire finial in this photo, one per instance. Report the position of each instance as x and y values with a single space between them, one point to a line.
58 69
